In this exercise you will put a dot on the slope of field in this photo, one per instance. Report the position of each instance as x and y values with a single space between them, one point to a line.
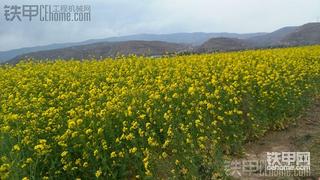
302 135
139 117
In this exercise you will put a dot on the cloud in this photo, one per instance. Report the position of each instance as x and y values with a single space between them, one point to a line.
123 17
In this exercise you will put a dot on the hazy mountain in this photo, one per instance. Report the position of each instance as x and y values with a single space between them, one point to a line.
184 38
151 44
307 34
290 36
106 49
223 44
7 55
273 38
303 35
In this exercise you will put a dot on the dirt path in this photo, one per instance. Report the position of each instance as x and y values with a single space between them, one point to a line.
303 136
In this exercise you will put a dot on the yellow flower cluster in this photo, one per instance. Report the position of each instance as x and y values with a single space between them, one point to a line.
138 116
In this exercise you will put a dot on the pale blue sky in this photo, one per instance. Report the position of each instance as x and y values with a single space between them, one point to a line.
124 17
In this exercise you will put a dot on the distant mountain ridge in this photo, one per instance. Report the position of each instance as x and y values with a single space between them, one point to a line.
273 38
196 38
157 45
183 38
106 49
307 34
223 44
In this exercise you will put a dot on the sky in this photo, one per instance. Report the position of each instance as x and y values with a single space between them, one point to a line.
125 17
